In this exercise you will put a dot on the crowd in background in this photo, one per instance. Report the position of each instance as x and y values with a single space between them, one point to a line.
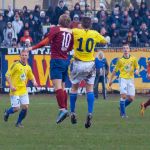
25 27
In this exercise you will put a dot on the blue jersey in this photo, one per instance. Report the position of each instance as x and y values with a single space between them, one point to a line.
100 63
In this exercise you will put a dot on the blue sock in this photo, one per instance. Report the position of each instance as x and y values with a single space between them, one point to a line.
122 107
10 111
127 102
73 98
90 101
22 115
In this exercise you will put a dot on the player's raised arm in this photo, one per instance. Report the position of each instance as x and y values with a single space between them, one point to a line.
44 42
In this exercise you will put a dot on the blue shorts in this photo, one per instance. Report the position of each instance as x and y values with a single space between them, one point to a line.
59 69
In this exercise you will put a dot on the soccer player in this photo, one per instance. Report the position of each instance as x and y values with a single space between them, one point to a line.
61 40
17 76
83 66
127 65
147 103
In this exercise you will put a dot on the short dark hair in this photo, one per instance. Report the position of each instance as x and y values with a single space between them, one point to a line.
86 21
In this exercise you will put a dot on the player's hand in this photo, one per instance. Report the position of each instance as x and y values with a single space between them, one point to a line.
136 72
12 88
29 49
110 84
148 76
35 84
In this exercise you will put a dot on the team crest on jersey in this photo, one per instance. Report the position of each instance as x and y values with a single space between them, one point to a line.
127 67
23 76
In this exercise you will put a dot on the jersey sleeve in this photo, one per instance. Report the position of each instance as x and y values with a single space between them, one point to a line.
47 39
100 39
11 70
117 66
30 74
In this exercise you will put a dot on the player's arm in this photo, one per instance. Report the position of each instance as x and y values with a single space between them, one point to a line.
8 74
44 42
136 67
32 78
101 39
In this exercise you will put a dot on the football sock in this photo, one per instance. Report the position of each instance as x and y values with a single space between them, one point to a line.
147 103
90 101
122 107
127 102
60 98
66 98
10 111
73 98
22 115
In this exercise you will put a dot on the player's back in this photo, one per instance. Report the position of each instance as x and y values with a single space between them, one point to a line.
61 42
84 43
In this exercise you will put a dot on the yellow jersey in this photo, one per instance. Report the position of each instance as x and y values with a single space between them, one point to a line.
19 75
127 66
84 43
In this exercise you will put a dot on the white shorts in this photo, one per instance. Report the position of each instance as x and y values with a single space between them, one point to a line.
127 86
16 101
82 71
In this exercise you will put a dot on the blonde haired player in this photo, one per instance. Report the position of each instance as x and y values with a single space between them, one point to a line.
127 65
83 66
17 76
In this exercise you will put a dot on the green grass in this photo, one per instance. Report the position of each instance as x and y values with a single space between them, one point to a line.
108 131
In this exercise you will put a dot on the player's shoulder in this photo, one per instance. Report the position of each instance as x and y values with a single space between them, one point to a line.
132 57
14 64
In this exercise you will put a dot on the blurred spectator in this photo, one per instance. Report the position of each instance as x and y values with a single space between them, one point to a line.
6 17
36 12
131 39
102 70
25 13
96 25
136 21
59 10
112 29
102 16
76 11
143 35
17 24
115 17
50 14
67 12
75 22
143 9
26 27
2 26
9 34
42 17
116 39
25 38
14 43
103 32
131 11
10 11
125 23
88 9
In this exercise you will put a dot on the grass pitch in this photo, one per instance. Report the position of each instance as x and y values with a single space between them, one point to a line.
108 131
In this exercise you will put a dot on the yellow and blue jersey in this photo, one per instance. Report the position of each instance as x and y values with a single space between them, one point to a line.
19 75
84 43
126 66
